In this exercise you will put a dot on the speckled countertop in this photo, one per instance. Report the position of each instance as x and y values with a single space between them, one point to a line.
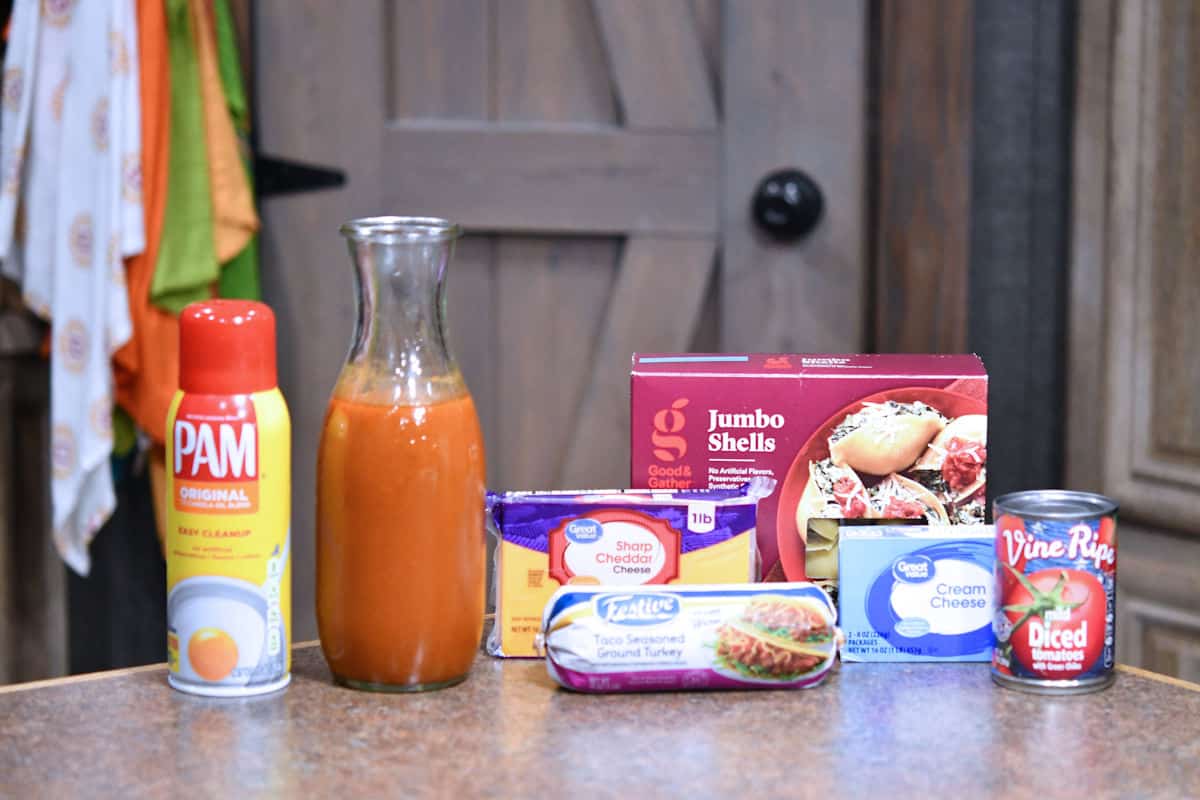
883 730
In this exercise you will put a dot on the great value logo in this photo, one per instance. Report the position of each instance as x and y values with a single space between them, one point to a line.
913 569
637 609
584 531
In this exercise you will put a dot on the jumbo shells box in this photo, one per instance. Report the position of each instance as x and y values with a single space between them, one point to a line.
851 439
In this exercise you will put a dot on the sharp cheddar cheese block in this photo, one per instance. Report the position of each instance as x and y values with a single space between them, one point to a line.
617 539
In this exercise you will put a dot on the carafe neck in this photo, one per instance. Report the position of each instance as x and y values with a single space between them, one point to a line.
399 354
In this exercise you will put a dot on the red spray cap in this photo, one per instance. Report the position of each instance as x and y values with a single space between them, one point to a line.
226 347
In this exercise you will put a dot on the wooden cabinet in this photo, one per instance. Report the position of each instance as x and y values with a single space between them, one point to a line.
1133 402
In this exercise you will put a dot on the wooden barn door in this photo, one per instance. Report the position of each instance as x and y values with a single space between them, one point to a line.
602 157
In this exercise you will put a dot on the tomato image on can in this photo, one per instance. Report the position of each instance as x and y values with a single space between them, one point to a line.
1056 572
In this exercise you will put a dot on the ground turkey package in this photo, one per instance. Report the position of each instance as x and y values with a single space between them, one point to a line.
847 437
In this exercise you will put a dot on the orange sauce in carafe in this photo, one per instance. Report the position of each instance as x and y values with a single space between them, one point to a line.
400 541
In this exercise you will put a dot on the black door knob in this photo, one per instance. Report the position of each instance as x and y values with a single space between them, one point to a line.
787 204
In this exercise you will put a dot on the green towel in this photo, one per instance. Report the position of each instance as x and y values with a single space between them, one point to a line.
239 277
187 260
230 66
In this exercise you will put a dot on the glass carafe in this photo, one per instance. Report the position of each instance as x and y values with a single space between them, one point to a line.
400 476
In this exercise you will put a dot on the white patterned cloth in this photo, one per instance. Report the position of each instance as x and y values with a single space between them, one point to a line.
70 212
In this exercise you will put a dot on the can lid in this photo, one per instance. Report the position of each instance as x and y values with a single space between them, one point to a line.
226 347
1055 504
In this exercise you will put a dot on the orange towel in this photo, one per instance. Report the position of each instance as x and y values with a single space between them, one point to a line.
147 367
234 219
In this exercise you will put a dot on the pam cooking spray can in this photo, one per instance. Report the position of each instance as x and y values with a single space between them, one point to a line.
229 574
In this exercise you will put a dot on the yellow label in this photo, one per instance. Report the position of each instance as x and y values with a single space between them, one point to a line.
228 537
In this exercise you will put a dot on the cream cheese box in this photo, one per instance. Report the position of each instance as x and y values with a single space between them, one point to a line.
916 592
